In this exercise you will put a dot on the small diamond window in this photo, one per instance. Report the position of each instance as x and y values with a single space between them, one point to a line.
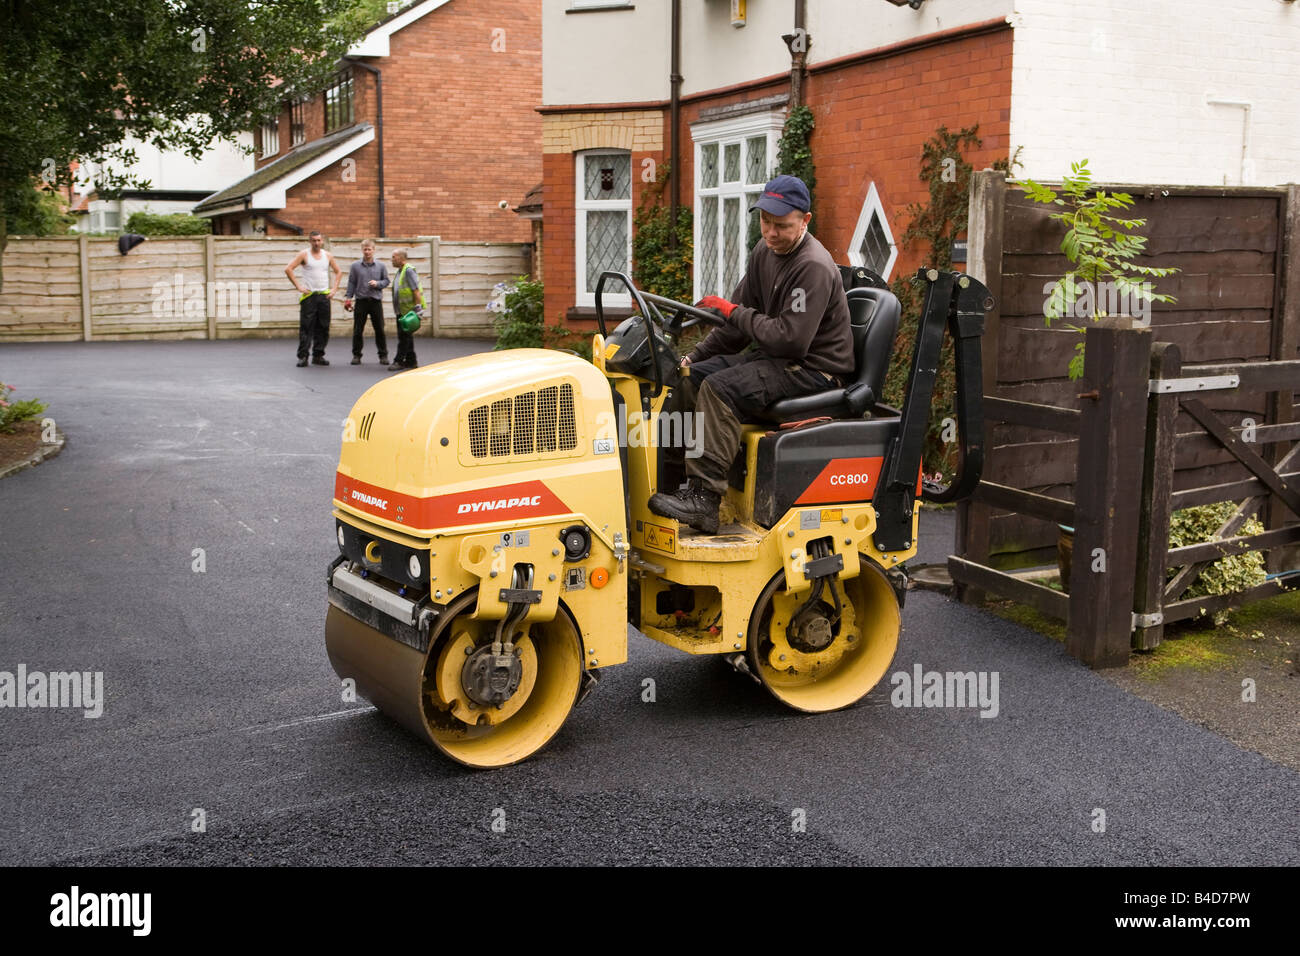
873 244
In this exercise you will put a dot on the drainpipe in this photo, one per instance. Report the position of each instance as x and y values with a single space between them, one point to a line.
674 113
1245 106
379 135
798 43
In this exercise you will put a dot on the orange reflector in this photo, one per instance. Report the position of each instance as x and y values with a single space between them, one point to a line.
598 577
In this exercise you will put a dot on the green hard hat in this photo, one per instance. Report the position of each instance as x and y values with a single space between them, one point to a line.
409 322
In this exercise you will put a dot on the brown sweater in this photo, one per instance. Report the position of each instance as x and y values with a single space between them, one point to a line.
793 307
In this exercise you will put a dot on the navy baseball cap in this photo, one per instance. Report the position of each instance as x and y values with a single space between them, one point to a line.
782 195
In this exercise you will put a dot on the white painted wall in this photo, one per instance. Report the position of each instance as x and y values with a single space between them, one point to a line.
617 56
220 166
841 27
605 56
1125 83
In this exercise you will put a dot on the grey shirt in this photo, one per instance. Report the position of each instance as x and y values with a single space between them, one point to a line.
359 277
793 307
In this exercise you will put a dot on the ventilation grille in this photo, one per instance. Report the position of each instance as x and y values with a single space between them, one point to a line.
530 423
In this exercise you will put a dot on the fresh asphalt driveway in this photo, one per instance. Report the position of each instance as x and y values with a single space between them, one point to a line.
219 697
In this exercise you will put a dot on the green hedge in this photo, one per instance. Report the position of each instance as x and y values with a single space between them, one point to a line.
172 224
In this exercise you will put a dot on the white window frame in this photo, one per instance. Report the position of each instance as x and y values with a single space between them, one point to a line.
270 137
723 132
872 205
582 206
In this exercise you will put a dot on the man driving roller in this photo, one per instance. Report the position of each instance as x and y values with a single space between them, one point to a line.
790 305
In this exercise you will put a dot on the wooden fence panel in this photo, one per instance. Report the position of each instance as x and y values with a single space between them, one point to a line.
1235 248
225 286
469 271
42 289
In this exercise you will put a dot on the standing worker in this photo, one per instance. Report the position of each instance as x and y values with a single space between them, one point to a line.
407 297
314 298
367 281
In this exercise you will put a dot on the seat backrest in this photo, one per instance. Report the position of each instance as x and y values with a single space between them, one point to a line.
874 315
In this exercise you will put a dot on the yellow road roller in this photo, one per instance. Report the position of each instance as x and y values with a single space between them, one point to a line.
495 541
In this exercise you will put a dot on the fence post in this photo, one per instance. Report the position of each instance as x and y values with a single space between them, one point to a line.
1157 487
988 192
1283 345
209 277
83 253
435 286
1108 492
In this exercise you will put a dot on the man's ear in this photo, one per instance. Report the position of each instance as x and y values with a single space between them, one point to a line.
807 218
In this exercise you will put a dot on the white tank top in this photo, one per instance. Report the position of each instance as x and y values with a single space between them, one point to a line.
315 272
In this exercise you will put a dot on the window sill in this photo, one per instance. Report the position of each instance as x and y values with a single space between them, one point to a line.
603 8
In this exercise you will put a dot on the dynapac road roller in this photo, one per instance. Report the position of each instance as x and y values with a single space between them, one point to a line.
495 540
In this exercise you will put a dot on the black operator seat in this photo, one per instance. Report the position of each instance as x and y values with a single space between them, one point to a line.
873 316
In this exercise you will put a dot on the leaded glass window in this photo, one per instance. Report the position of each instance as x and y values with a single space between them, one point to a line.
873 244
603 211
707 256
609 176
733 160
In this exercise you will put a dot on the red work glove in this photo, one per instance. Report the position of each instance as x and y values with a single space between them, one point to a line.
718 303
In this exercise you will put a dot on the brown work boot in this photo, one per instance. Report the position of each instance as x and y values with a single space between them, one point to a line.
695 505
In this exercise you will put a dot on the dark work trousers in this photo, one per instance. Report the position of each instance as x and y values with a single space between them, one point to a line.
405 349
732 390
372 309
313 325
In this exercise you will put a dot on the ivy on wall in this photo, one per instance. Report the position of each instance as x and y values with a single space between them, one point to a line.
932 229
794 154
656 267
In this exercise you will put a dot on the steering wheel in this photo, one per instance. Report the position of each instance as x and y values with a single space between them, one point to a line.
648 305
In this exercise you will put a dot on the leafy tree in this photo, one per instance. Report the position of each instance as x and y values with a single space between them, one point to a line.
179 74
39 212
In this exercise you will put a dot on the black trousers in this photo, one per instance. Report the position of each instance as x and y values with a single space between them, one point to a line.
405 349
372 309
313 325
733 389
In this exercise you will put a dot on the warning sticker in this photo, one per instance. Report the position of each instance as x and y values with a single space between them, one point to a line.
832 514
660 538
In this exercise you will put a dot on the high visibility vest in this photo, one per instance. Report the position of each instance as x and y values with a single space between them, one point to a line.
406 296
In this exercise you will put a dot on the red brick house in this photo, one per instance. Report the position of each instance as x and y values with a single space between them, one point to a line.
879 79
428 128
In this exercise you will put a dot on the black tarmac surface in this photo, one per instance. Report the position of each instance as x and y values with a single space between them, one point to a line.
219 696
